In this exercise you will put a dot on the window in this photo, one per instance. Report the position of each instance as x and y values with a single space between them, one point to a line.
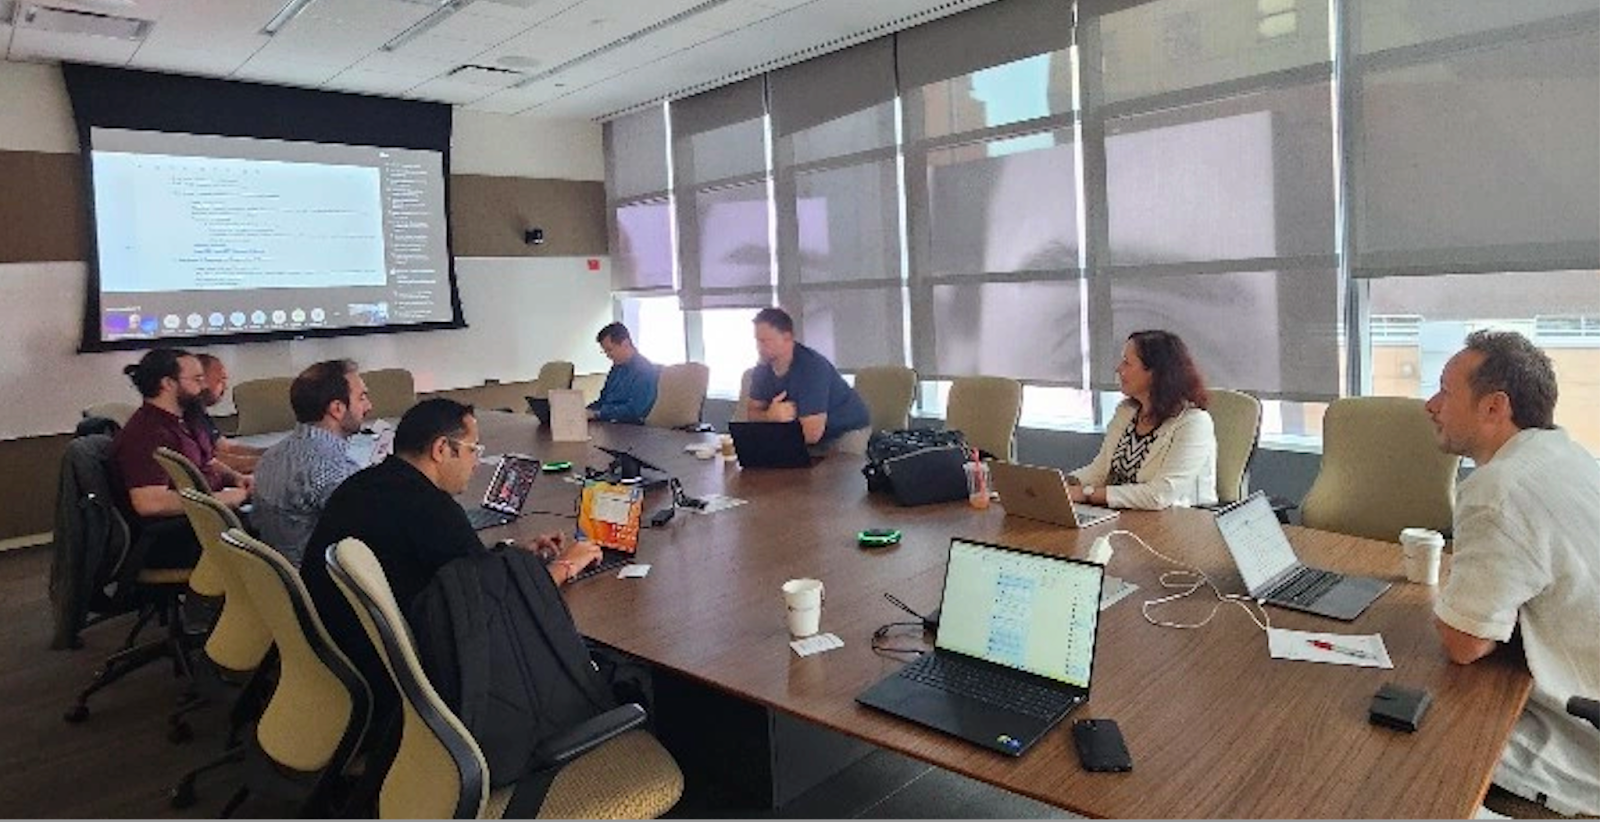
1417 323
656 324
730 348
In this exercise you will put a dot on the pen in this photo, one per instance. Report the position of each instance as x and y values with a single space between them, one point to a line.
1340 649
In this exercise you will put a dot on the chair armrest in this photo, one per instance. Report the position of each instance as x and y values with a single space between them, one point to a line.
586 736
1585 709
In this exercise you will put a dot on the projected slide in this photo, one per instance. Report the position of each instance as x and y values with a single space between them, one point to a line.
206 236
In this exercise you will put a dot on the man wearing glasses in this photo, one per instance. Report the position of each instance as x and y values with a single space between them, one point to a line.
172 383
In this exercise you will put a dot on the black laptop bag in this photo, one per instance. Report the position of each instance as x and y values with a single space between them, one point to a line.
919 466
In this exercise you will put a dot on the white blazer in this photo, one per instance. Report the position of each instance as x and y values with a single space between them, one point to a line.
1180 469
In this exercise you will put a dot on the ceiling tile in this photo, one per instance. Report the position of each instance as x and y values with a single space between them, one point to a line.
729 17
394 62
290 72
479 28
327 41
189 61
449 91
387 16
441 49
520 11
31 44
371 82
549 47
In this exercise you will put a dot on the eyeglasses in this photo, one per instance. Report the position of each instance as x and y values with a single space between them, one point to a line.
477 447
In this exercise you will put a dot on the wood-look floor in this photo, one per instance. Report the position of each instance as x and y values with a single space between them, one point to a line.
118 763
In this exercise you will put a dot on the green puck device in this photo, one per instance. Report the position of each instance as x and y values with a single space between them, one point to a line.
878 537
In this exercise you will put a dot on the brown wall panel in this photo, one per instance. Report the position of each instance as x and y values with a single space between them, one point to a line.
489 214
29 484
42 207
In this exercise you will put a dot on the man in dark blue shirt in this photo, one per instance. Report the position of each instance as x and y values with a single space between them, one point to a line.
793 382
630 389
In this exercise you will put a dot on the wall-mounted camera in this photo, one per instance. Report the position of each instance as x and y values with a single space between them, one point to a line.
533 236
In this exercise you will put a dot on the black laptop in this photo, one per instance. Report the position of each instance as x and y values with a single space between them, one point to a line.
507 492
1014 653
1273 574
771 445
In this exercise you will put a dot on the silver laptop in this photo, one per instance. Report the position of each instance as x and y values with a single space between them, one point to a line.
1035 492
1014 653
1275 575
507 492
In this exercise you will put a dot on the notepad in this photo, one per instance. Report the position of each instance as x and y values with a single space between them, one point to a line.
816 644
1360 650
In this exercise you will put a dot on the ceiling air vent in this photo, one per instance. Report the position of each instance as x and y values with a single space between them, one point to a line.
67 21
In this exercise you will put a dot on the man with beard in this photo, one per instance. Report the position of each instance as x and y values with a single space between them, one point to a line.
234 454
173 386
296 476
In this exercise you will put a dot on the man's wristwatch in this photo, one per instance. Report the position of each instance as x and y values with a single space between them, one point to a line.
572 569
1088 492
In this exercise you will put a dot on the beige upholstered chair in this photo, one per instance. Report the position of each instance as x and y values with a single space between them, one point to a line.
117 412
392 390
590 384
1236 416
263 406
439 770
741 409
986 409
1381 471
553 374
319 711
888 391
680 394
206 579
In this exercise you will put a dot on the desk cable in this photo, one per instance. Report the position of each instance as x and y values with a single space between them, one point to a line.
1187 581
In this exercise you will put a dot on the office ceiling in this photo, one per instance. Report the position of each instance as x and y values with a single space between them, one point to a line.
534 58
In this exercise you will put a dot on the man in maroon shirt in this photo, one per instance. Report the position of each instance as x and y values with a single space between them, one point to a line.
172 383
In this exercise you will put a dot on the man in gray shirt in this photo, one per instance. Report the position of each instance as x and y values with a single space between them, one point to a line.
295 477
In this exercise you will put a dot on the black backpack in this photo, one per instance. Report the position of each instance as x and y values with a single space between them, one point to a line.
918 465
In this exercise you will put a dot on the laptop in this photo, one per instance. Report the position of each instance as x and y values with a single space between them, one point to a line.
507 492
1014 653
771 445
609 514
1035 492
540 407
1275 575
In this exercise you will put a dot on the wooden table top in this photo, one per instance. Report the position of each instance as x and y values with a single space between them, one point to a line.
1216 727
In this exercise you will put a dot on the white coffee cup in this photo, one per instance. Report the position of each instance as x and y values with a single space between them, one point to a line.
1423 548
803 599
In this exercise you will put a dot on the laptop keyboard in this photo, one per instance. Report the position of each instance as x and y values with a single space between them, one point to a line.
482 518
607 563
982 684
1307 587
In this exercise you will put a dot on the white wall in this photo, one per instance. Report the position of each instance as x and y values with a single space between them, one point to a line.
520 312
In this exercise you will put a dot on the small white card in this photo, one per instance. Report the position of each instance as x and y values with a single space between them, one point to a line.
569 422
635 571
718 502
816 644
1115 589
1360 650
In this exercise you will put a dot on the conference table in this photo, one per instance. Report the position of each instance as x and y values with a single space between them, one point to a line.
1215 726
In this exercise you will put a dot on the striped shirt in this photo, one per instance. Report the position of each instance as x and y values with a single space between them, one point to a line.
293 482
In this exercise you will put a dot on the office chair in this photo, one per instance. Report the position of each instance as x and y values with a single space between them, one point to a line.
1381 471
680 394
117 412
263 406
609 769
207 577
553 374
115 560
1236 417
888 391
392 390
314 722
741 409
986 409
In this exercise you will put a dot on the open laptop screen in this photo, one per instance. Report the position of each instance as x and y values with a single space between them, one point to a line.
1026 611
1256 541
512 481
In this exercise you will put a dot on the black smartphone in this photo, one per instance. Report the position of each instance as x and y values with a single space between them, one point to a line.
1100 746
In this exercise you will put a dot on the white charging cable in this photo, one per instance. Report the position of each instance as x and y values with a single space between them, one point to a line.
1185 583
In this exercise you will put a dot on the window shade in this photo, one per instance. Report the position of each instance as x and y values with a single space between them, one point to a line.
639 222
719 165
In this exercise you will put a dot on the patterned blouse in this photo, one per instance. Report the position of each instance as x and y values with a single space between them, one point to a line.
1132 448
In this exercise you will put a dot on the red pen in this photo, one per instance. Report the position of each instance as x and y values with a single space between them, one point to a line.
1340 649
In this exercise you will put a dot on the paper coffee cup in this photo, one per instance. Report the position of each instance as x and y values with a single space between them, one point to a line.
727 445
1422 551
803 600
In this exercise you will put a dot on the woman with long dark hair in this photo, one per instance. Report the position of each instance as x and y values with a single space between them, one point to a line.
1160 449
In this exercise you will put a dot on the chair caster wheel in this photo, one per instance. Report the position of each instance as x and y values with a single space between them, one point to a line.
180 733
182 797
76 714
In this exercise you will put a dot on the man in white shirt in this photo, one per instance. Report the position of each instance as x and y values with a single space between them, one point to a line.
1527 558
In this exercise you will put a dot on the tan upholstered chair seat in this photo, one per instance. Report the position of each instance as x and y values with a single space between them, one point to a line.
1381 471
